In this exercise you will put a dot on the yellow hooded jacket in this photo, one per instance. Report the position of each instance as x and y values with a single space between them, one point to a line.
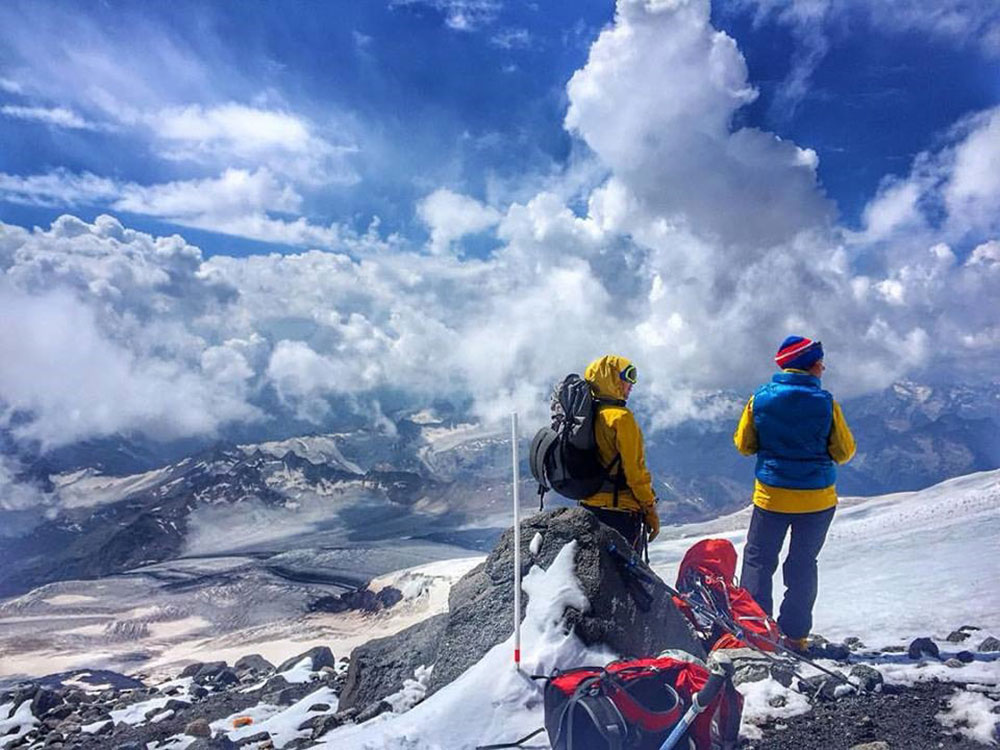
617 433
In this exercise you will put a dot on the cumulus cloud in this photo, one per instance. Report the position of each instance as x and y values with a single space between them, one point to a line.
450 216
949 194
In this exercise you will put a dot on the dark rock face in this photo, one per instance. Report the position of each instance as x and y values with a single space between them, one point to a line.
379 667
990 645
363 599
480 606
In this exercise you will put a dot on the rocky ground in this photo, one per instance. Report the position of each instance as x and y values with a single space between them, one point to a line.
896 719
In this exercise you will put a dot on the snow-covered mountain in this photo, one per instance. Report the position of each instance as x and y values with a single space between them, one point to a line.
442 479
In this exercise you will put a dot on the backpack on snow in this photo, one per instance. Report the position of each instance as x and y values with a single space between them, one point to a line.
564 457
634 705
707 574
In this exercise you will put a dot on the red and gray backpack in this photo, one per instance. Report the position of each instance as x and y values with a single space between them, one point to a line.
634 705
707 575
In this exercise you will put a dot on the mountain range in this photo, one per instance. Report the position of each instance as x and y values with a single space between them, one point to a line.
111 505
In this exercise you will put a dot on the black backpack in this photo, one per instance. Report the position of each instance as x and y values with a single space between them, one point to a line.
564 457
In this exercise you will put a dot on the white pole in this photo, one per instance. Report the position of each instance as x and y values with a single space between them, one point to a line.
517 545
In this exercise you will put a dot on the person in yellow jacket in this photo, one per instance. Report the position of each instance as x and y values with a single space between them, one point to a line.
626 502
799 435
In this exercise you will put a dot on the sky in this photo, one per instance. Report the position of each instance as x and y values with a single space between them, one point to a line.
220 215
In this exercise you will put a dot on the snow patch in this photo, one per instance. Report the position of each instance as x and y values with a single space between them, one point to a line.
413 691
758 705
282 724
18 724
972 715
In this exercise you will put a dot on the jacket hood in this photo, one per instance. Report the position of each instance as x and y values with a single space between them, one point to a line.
604 375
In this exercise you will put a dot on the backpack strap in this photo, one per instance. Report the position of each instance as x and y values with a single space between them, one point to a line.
615 478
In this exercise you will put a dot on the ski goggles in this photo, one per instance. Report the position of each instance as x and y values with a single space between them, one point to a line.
629 375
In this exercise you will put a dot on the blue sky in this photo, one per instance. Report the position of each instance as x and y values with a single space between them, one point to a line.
466 95
314 211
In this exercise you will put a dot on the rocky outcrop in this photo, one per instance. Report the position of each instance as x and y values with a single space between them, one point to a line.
632 617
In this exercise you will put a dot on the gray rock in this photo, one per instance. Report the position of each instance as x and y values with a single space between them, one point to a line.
253 663
44 701
222 742
379 667
954 663
854 643
326 724
375 709
320 657
777 701
751 672
966 657
480 605
319 707
207 672
198 728
921 647
990 645
869 678
957 636
175 704
131 746
879 745
60 712
190 670
253 738
820 686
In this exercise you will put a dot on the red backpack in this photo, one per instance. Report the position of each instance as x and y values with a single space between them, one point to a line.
633 705
708 575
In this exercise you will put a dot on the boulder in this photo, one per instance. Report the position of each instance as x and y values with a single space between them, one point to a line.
253 663
869 678
921 647
990 645
44 701
375 709
319 657
208 672
379 667
480 604
221 742
198 728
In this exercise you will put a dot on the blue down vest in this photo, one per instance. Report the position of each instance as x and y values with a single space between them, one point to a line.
793 417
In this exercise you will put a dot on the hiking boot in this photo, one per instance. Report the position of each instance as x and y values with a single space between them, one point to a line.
798 645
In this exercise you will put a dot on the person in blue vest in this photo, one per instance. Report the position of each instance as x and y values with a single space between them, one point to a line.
799 435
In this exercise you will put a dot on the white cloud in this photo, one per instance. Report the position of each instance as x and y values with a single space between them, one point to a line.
57 116
451 216
238 203
948 194
11 87
460 15
236 133
655 102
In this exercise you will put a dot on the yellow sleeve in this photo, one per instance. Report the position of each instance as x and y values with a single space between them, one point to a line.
633 452
745 437
841 443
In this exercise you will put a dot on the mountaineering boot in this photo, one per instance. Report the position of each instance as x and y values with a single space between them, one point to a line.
798 645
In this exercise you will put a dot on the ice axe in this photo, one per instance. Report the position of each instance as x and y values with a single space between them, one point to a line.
721 671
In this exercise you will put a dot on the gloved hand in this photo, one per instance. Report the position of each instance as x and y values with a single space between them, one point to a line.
652 523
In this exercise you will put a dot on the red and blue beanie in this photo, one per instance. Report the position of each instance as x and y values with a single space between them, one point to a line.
798 353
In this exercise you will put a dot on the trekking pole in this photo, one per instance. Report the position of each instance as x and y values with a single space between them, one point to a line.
517 545
721 672
735 630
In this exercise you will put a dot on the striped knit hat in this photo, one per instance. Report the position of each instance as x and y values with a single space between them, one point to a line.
798 353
